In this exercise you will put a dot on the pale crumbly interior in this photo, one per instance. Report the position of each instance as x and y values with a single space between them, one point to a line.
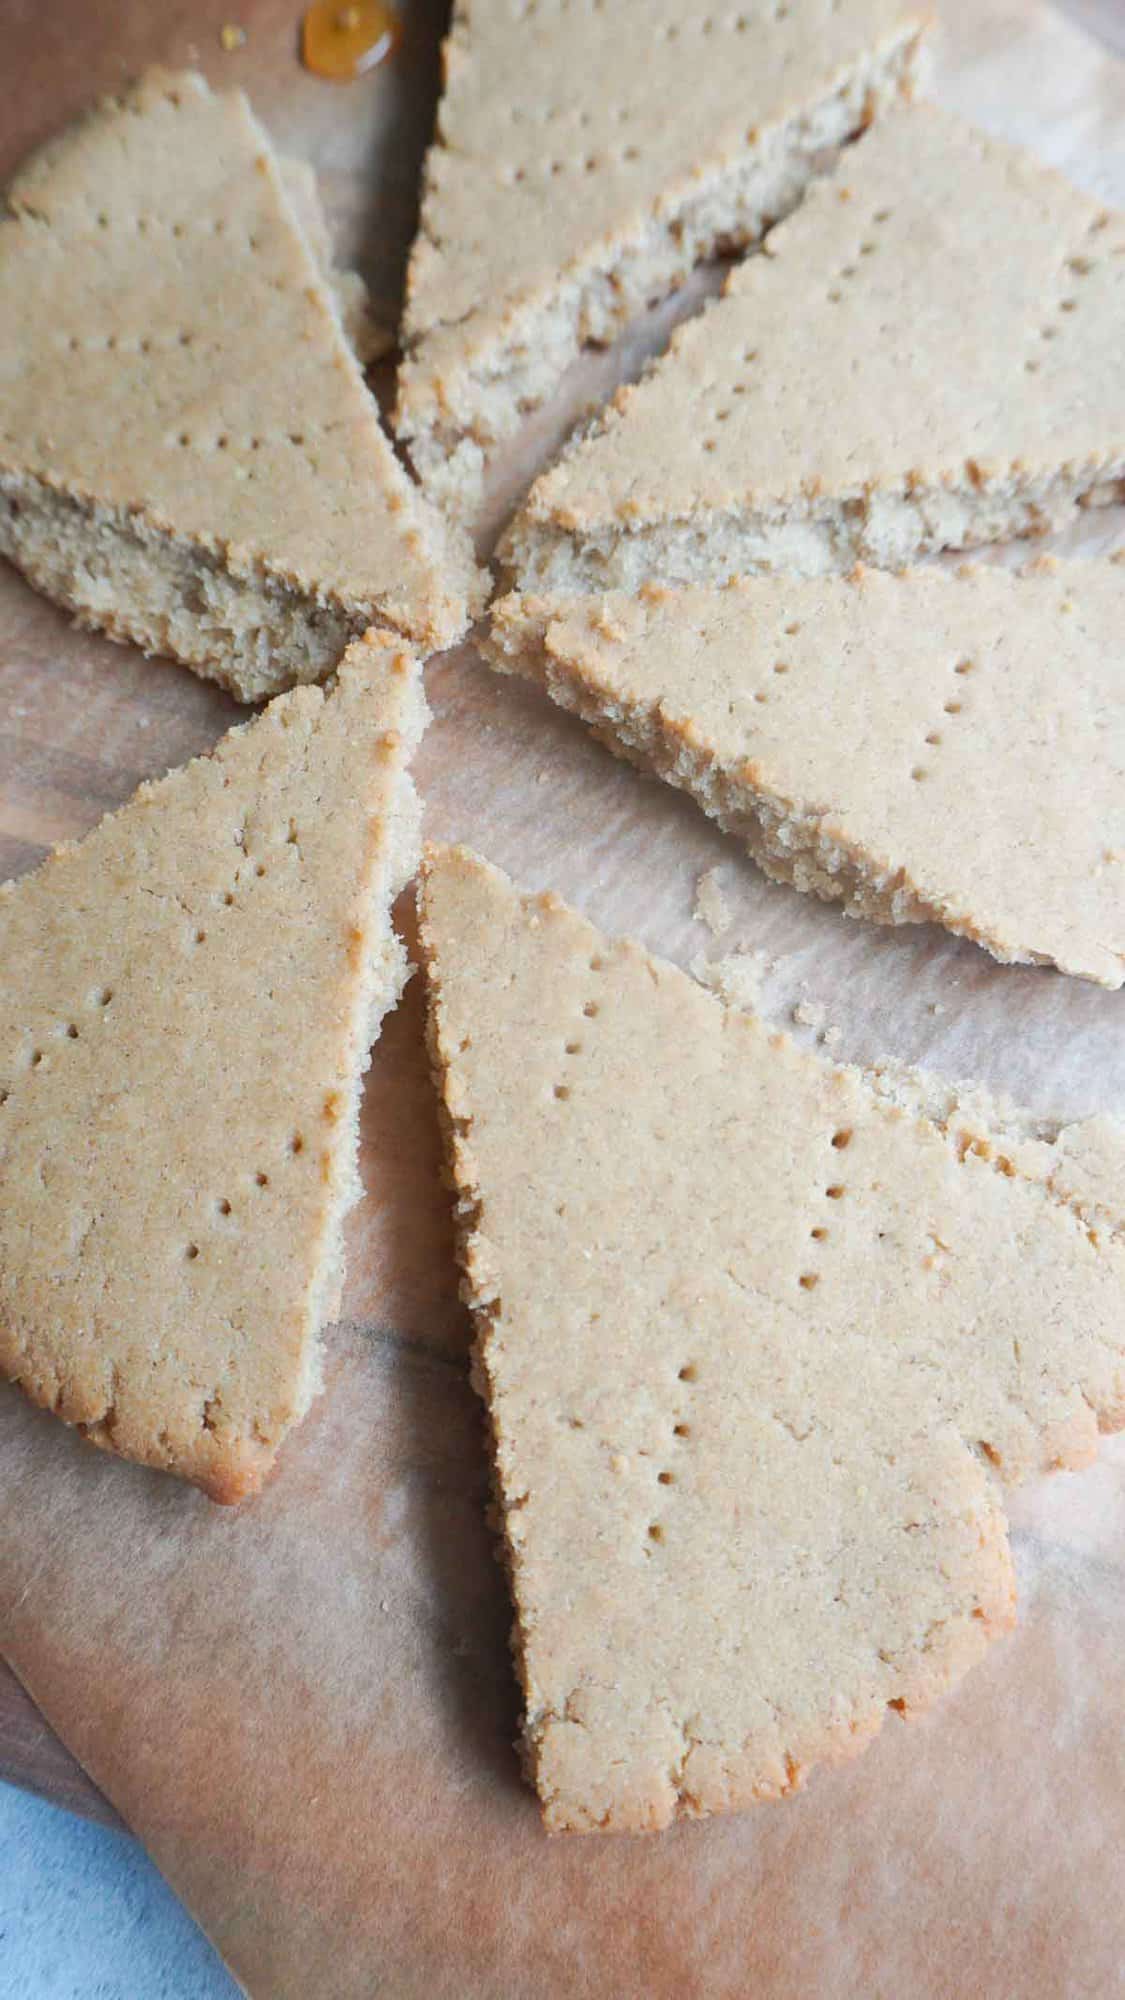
923 747
804 537
469 378
924 357
118 574
181 1055
189 456
123 576
760 1335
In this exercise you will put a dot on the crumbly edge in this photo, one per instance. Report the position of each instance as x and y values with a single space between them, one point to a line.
480 1294
120 575
227 1467
231 1469
386 972
452 418
787 840
967 1118
254 633
886 527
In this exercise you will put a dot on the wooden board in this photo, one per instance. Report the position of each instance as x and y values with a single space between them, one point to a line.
80 723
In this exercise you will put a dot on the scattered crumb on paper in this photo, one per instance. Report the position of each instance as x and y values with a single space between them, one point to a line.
810 1014
736 979
711 906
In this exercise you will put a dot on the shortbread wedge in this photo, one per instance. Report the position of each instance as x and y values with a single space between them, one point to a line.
189 455
760 1341
187 1003
584 163
932 746
925 357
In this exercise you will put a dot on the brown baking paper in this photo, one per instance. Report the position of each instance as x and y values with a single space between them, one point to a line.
305 1708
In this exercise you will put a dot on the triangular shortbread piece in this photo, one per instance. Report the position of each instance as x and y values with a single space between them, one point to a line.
189 455
583 165
924 747
187 1002
758 1343
925 357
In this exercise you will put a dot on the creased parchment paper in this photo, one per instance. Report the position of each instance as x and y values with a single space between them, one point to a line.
305 1708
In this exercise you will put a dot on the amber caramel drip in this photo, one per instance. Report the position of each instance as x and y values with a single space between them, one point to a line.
341 41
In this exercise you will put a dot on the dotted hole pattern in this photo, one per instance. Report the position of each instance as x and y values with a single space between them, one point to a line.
953 705
656 1534
820 1234
868 245
1074 270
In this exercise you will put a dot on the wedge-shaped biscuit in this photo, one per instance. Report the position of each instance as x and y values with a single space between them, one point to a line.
926 746
925 357
758 1344
189 456
583 164
187 1002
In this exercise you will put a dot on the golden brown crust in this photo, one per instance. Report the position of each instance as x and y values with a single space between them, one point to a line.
165 315
925 357
544 228
925 747
758 1335
187 1002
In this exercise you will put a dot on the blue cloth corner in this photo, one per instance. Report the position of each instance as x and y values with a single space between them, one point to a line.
84 1915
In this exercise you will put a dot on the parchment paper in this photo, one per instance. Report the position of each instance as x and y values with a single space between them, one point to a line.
305 1708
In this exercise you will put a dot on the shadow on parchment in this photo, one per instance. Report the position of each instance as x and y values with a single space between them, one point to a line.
392 168
401 1256
402 1296
465 1614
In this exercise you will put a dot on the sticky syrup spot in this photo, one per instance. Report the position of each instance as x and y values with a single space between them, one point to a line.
341 41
